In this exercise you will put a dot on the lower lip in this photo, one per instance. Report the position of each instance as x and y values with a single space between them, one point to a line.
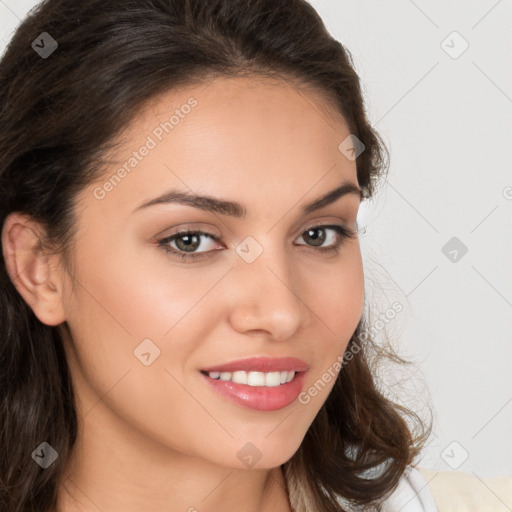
259 398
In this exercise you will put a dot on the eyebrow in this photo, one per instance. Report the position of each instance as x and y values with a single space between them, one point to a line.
235 209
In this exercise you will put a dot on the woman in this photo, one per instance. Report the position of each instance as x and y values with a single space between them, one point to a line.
182 298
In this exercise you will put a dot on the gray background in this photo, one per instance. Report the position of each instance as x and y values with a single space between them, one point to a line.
447 122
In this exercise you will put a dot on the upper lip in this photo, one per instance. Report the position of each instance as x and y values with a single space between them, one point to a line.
261 364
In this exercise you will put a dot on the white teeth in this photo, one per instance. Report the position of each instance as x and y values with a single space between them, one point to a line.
239 377
270 379
273 379
256 379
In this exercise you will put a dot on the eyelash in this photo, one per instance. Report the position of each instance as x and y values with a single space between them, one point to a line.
343 232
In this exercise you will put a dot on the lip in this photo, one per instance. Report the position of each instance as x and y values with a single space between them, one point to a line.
259 398
261 364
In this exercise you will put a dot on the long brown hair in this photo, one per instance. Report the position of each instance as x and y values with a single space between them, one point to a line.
59 116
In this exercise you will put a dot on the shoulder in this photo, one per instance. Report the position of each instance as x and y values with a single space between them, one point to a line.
458 490
412 494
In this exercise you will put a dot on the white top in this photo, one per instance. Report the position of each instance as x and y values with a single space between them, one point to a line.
411 495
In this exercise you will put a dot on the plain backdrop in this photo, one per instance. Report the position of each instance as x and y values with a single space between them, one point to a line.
437 80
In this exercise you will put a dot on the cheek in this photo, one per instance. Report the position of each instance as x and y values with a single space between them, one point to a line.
127 296
119 302
349 296
136 291
337 297
123 301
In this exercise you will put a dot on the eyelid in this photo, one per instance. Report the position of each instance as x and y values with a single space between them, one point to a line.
325 223
193 227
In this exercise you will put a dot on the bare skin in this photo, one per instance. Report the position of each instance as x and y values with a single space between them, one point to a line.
157 437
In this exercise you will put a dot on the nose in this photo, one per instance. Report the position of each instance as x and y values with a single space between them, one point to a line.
265 296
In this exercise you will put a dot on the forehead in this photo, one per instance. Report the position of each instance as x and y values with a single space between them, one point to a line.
254 110
231 137
234 98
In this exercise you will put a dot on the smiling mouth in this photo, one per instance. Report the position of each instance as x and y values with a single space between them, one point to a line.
254 379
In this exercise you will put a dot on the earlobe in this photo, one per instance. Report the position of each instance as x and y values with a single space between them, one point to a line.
30 269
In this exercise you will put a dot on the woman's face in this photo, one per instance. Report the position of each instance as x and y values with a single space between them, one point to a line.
144 322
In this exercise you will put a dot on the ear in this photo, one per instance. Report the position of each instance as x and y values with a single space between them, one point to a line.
35 274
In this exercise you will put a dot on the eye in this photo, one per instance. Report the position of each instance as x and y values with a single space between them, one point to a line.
334 241
184 244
